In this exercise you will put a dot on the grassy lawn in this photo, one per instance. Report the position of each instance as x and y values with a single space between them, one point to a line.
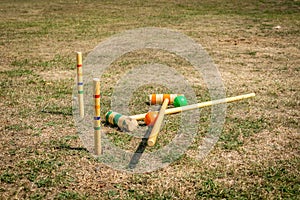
254 44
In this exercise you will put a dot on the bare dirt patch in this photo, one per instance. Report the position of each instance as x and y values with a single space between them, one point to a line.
57 75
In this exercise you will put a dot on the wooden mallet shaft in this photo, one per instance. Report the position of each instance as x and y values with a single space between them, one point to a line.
198 105
157 124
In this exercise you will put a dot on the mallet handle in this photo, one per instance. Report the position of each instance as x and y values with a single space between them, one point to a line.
198 105
158 122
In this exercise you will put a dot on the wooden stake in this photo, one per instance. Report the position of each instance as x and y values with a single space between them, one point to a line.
80 84
97 127
158 122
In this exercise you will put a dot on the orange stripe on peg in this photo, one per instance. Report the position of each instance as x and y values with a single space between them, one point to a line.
97 107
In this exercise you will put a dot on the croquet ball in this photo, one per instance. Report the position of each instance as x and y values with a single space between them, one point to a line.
150 118
180 101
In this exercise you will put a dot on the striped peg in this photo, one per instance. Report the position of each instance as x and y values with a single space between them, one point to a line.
97 127
124 122
80 84
159 98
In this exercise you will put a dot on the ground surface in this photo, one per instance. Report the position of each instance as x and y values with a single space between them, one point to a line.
255 45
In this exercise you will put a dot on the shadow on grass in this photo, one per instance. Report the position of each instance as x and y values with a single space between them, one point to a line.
140 150
72 148
57 110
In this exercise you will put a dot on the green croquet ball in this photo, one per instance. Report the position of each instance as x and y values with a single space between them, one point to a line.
180 101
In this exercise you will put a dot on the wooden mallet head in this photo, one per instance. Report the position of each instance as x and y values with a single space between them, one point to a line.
124 122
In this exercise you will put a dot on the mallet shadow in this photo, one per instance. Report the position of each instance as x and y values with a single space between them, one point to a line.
140 150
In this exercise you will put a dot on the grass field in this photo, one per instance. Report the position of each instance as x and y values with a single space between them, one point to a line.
254 43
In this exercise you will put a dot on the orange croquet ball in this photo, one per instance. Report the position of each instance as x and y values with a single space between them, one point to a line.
150 118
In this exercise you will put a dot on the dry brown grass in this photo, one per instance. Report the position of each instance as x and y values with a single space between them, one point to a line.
257 155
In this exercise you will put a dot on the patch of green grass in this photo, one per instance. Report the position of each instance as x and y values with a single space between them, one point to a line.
57 62
211 190
18 73
45 182
232 138
36 165
63 142
131 194
42 172
52 181
251 53
171 157
280 179
7 177
70 195
70 137
17 127
37 196
60 144
120 139
5 84
21 63
112 194
61 91
64 145
106 158
12 152
58 110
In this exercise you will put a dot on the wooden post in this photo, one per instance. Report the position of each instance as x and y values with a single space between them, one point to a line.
97 127
158 122
80 84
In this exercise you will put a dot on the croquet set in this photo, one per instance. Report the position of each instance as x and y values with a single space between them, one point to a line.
151 118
